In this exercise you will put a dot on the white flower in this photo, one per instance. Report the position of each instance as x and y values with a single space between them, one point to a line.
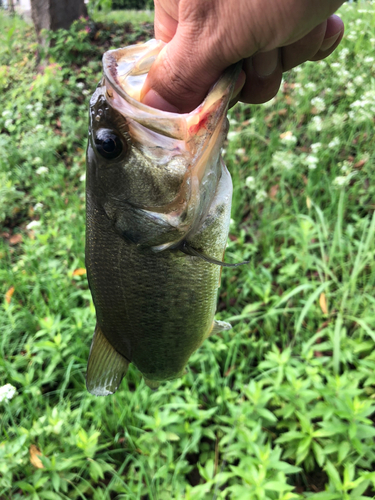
232 121
83 177
358 80
80 85
316 123
33 224
283 159
359 103
288 138
232 135
344 74
350 89
39 126
311 86
38 206
29 107
8 122
7 391
346 167
368 60
318 103
5 113
311 161
250 182
85 92
232 223
240 151
338 119
316 147
335 142
344 53
341 180
41 170
261 196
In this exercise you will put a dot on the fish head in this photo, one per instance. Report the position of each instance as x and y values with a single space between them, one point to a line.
154 173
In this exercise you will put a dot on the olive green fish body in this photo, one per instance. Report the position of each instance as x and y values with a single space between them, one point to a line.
156 186
154 308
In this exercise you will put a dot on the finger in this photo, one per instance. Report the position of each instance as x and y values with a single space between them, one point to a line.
165 23
237 89
304 49
261 82
332 38
181 73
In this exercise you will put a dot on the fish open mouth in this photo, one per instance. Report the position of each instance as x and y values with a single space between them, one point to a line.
125 72
196 136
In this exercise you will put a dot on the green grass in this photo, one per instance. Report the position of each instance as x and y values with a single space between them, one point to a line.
125 16
278 408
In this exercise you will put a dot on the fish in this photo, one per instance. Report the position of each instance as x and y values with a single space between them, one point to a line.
158 202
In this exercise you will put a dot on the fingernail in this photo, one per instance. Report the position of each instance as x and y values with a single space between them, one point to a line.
154 100
328 42
265 63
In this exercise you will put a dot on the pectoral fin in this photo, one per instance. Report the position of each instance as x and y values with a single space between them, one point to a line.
186 248
105 368
219 326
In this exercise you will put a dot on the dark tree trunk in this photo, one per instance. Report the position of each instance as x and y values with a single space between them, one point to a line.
55 14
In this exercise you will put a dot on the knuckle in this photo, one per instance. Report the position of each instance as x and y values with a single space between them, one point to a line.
177 78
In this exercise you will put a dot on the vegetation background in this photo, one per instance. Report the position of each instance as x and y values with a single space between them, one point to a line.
280 407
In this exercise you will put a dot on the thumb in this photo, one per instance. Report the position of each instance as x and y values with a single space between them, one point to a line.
181 76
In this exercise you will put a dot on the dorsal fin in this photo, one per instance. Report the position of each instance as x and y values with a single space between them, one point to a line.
188 250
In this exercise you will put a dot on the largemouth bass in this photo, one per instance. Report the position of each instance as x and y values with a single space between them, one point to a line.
158 212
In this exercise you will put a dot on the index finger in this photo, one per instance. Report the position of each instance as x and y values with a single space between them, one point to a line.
165 23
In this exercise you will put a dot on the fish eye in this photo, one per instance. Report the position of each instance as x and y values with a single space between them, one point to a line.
108 144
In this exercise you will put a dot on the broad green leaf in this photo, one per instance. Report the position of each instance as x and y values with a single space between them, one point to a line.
285 467
333 475
319 453
277 486
344 449
25 486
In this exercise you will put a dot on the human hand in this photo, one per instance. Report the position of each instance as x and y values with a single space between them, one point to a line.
205 37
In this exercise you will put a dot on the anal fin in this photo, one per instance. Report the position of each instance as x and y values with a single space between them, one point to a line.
105 368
